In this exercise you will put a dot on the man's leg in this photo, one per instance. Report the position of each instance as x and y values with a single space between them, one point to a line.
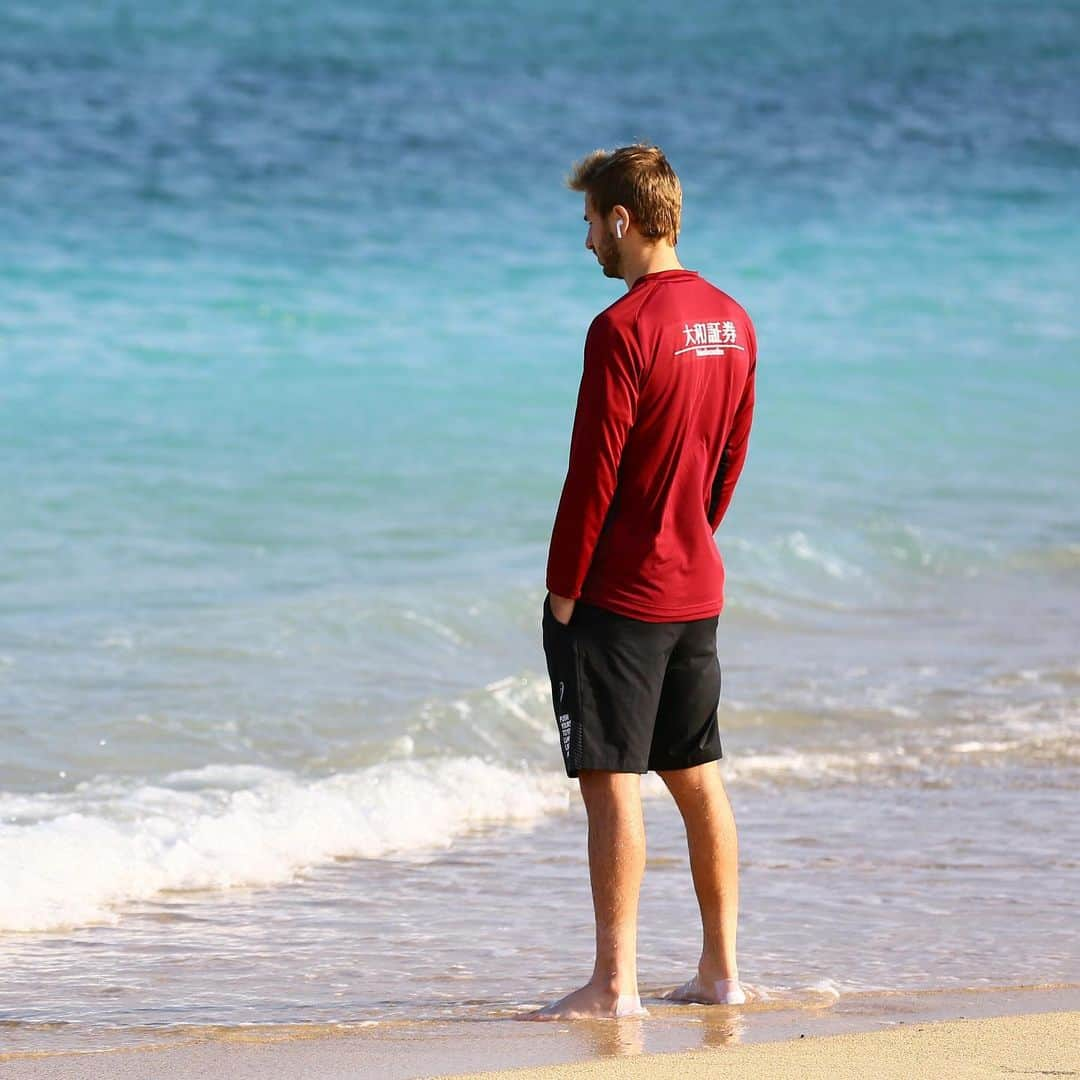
714 863
616 866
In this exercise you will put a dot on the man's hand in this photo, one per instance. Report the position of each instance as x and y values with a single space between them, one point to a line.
561 607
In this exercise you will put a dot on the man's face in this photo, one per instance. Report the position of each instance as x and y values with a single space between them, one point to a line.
600 240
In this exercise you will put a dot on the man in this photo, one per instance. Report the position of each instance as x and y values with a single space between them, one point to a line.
634 576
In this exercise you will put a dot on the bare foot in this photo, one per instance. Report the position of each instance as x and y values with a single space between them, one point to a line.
590 1003
709 992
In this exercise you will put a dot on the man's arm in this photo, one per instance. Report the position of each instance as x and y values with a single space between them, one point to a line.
606 408
734 454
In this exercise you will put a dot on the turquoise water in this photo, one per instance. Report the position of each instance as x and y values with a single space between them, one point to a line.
291 314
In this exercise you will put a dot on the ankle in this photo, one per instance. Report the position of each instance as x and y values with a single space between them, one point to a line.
711 971
614 984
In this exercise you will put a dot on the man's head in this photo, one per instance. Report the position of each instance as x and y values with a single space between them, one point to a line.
632 200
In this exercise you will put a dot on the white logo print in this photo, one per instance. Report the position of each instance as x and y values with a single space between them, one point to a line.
564 731
709 338
562 690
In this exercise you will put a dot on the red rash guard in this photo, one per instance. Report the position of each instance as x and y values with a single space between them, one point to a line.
660 436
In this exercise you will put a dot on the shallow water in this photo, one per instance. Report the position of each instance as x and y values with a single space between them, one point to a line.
947 895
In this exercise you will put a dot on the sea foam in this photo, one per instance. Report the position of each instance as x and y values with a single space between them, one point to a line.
77 858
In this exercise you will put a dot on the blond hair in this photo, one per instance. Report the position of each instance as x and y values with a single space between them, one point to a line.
637 177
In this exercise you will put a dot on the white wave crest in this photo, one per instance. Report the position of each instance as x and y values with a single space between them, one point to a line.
74 859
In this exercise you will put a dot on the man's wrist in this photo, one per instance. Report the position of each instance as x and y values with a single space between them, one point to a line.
562 607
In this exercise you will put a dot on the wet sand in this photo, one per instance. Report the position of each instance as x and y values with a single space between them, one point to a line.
969 1033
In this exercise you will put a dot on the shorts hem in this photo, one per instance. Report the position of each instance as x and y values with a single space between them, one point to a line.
688 762
616 768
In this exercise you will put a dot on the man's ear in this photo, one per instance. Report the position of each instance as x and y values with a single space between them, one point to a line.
621 220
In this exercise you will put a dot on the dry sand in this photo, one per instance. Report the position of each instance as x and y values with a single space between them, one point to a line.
1045 1044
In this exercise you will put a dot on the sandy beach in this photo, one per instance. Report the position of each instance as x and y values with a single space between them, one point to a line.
1046 1044
993 1033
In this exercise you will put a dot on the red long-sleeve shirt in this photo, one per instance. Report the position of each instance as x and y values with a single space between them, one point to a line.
660 437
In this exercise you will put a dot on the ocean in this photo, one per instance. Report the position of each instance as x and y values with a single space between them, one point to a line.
292 302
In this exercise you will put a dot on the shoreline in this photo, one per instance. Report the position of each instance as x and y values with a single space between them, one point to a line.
1045 1044
989 1029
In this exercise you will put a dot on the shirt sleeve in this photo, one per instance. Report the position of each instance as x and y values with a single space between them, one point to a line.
606 408
734 455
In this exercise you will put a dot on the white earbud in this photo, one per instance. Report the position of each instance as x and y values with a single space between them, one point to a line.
618 230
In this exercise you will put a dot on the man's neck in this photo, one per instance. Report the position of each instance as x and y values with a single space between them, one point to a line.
650 260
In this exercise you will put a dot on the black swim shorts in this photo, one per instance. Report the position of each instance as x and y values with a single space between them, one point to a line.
630 696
